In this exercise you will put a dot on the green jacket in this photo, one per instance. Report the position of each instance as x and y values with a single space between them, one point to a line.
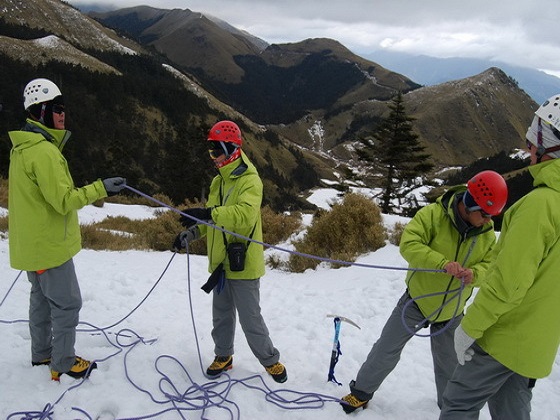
515 316
236 197
435 236
43 201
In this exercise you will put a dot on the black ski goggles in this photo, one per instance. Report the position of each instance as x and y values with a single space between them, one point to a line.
216 150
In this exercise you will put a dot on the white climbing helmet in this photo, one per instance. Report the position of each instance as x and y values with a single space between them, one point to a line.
38 91
549 111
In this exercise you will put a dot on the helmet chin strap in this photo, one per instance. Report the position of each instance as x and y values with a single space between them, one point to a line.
224 148
43 113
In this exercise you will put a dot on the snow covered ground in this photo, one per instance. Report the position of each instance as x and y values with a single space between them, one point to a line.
150 333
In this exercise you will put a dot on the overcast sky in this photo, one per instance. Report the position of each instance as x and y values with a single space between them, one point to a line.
518 32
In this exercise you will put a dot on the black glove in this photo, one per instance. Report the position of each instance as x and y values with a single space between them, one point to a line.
114 185
200 213
185 237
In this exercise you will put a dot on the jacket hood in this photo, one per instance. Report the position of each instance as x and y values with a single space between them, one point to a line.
238 167
446 200
546 174
449 201
56 137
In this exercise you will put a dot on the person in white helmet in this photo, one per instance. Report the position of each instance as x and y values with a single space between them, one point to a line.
510 334
44 230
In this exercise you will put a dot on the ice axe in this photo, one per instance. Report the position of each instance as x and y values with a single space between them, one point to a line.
336 344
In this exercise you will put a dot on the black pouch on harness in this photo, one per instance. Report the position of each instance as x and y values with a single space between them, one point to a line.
215 278
236 255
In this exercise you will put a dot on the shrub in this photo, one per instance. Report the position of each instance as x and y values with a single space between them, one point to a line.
274 261
277 227
98 238
350 228
159 233
120 233
4 224
396 233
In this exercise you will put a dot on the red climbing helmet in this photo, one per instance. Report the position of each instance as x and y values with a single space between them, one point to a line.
489 191
226 131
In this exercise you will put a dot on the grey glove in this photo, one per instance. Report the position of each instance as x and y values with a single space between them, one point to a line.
114 185
463 343
185 237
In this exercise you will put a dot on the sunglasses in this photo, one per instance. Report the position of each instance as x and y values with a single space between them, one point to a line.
485 215
482 212
216 151
58 109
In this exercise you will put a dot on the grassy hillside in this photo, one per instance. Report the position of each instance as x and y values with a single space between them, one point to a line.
146 126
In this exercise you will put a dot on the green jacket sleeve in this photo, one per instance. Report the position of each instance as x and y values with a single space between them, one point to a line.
57 187
417 237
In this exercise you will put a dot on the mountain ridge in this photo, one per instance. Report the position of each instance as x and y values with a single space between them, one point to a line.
322 96
364 87
430 71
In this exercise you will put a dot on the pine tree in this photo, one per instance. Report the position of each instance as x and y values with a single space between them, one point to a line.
397 153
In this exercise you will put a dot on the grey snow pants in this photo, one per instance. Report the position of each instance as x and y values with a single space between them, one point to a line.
484 379
54 306
242 296
386 352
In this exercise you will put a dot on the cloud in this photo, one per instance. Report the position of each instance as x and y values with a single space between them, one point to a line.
513 31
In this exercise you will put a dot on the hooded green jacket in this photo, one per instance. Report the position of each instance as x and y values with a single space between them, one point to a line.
43 201
236 197
435 236
515 316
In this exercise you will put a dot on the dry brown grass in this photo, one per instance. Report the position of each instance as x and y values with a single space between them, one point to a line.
121 233
355 220
396 233
349 229
95 237
161 232
118 233
277 227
